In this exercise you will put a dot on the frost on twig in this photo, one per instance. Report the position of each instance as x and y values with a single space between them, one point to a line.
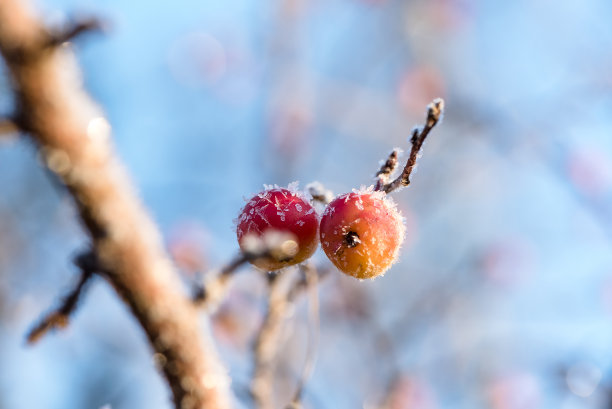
387 168
434 113
272 244
319 193
59 317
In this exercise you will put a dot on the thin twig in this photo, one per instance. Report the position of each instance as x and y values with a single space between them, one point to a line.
74 30
266 344
434 113
59 317
209 293
212 291
88 264
387 169
311 277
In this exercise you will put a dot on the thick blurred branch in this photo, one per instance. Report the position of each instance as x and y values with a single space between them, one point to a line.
73 138
434 113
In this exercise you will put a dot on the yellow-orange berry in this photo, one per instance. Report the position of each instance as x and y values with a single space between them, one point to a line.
361 233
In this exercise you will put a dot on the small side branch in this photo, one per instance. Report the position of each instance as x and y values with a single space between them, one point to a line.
434 113
7 127
74 30
59 317
213 290
387 169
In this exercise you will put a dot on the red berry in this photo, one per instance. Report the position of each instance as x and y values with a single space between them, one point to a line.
281 211
361 233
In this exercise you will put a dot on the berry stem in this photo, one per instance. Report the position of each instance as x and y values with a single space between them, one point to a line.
352 239
208 294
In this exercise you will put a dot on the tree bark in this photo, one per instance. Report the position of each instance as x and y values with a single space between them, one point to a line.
74 140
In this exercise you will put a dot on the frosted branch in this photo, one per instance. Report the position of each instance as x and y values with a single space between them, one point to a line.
434 113
387 169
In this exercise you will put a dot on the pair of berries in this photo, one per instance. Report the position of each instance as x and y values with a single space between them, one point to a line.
360 232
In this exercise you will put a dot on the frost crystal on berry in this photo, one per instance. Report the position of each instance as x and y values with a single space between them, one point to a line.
363 232
279 211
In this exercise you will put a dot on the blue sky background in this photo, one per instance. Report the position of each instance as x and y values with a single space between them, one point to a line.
503 295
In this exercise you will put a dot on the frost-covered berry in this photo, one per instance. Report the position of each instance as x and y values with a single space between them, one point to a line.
361 233
279 211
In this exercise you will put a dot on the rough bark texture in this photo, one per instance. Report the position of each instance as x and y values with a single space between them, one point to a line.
73 138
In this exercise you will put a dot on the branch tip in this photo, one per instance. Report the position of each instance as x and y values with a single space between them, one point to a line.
59 318
387 168
435 111
390 164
